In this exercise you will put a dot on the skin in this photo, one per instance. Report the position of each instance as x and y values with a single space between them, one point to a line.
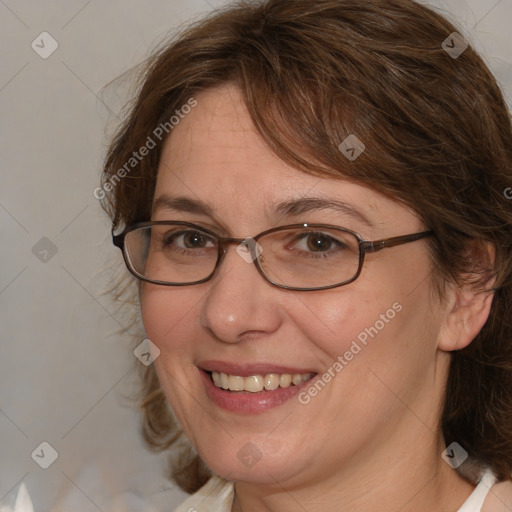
372 435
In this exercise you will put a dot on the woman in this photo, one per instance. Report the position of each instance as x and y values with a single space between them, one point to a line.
312 197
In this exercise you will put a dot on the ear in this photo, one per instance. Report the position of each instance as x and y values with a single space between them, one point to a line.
467 306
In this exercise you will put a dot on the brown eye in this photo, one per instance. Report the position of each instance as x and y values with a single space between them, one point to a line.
318 242
188 240
194 239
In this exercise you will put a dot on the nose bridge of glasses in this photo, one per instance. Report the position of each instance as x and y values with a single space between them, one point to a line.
247 248
247 242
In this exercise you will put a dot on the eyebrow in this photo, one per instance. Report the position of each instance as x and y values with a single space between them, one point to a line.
183 204
293 207
310 204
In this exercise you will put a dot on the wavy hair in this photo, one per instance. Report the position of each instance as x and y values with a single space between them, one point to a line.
438 139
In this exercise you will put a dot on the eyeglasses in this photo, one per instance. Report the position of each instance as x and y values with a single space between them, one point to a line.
301 257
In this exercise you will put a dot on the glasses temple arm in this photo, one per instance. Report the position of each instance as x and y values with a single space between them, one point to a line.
118 240
378 245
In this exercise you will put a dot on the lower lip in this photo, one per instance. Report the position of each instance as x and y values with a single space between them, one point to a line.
246 402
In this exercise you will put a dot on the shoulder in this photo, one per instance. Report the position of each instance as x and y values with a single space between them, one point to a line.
215 496
499 498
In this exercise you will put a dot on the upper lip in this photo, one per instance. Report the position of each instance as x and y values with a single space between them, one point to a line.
248 369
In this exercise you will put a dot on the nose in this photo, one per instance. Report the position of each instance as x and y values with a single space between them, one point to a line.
240 302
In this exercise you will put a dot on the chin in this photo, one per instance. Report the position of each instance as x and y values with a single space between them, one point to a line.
260 461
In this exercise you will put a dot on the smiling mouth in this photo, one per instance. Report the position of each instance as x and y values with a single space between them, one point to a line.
258 383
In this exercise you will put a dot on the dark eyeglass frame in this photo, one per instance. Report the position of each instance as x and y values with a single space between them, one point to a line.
365 246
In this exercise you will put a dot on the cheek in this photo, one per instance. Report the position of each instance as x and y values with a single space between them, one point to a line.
380 348
369 330
333 320
168 317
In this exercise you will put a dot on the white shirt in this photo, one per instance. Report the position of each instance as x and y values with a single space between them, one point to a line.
217 496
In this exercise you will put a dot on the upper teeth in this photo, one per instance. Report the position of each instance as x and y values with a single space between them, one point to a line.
256 383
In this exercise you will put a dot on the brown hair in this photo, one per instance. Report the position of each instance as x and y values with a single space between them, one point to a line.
438 138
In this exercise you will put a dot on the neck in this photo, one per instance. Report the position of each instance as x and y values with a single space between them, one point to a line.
401 469
410 489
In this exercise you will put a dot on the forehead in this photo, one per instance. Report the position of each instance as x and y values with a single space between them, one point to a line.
217 140
215 155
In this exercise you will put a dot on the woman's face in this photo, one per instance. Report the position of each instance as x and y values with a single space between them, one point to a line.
371 345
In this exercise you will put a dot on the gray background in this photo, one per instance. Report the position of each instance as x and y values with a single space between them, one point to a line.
64 367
